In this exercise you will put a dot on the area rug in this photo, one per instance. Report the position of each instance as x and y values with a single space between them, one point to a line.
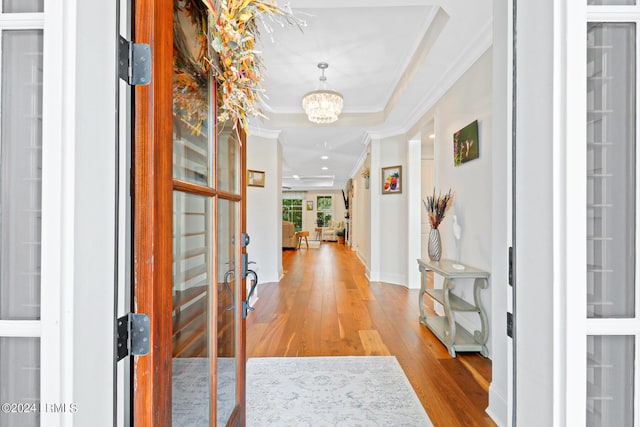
331 391
313 244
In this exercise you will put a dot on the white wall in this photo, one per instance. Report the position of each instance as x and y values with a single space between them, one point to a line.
361 218
468 99
388 214
426 177
309 217
264 207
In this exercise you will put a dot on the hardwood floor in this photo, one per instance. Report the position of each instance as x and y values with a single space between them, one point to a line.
325 306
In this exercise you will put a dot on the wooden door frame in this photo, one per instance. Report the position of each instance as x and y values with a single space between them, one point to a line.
152 212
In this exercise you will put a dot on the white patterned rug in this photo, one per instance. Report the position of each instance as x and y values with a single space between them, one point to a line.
331 391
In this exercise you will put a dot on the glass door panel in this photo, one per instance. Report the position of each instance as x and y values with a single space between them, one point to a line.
228 306
611 170
21 164
611 2
191 315
192 139
22 6
20 381
20 217
610 380
193 224
611 225
227 160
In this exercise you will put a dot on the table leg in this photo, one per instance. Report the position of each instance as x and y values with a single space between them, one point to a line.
423 289
450 334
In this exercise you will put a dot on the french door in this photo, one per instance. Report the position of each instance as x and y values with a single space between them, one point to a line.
188 221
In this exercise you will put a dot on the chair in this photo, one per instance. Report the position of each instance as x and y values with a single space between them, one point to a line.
289 239
330 233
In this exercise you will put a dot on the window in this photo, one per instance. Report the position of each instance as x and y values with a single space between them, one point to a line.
292 212
323 217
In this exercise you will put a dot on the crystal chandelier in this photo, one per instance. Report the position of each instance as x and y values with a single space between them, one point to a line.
322 105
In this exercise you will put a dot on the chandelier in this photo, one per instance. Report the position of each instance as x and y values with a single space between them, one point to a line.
322 105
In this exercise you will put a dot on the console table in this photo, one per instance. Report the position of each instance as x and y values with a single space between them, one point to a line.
445 328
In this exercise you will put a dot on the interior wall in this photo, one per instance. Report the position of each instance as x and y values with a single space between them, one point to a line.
388 214
361 217
264 221
426 190
309 217
469 99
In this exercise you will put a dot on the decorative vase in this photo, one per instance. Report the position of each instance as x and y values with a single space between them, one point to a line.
434 248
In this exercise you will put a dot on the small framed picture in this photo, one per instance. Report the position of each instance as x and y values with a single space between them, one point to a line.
392 180
309 205
255 178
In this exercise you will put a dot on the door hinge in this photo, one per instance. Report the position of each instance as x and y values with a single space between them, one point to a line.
133 335
134 62
509 324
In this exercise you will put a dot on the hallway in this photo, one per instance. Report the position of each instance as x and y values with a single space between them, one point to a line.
324 306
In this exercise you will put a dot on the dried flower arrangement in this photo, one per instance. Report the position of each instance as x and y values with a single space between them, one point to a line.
437 207
365 173
233 34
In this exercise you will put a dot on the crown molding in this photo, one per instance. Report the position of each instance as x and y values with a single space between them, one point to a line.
436 23
461 65
366 140
264 133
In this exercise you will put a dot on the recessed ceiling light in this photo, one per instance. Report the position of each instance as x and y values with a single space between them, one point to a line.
324 168
324 157
296 176
432 136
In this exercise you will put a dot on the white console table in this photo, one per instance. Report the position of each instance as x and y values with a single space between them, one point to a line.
452 335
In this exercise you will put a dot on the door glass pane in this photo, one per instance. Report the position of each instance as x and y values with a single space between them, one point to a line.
191 97
610 378
191 315
228 159
21 172
228 304
20 381
611 2
611 169
22 6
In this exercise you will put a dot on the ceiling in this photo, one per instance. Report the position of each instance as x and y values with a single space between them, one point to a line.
390 59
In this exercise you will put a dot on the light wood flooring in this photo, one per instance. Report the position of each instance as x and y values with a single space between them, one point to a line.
325 306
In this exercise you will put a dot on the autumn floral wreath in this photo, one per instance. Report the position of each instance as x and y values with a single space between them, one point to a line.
232 34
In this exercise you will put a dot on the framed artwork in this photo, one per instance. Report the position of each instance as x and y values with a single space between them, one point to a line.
309 205
465 144
255 178
392 180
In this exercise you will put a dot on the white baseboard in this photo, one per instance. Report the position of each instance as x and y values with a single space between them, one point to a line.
394 279
362 260
497 409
